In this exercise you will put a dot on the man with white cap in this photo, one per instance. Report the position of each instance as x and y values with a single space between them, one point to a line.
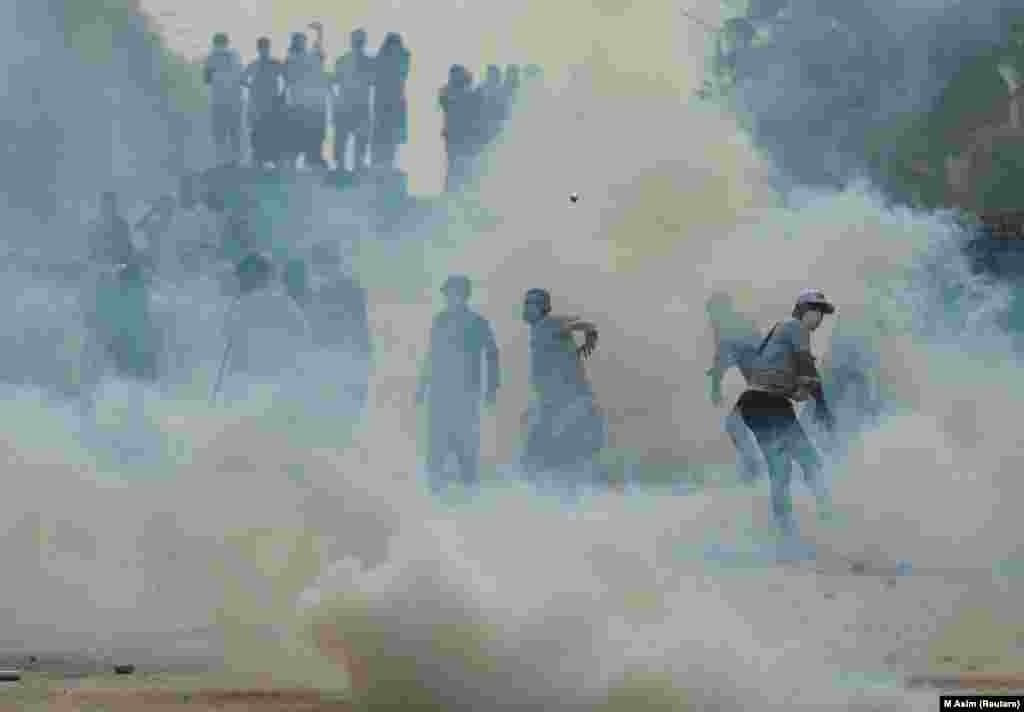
783 372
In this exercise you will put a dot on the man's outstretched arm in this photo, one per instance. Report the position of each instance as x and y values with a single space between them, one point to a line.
571 325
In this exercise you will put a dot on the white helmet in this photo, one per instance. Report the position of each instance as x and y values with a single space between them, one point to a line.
814 298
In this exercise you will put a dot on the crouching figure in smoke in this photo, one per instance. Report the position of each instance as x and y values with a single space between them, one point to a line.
265 336
784 371
736 342
565 427
852 375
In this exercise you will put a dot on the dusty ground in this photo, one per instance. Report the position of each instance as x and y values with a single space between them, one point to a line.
879 631
162 691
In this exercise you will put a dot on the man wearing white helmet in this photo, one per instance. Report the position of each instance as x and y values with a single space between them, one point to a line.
783 372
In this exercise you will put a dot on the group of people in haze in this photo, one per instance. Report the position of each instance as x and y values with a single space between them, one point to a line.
566 429
278 311
189 245
290 102
306 302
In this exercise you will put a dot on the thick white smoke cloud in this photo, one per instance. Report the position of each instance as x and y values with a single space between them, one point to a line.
271 529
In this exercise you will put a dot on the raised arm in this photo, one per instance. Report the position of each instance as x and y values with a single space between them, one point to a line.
318 43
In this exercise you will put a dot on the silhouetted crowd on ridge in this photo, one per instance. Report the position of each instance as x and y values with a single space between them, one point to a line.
284 108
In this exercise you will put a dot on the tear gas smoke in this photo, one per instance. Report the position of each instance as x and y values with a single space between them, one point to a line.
248 520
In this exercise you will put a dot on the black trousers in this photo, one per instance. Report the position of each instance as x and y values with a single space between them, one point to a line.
311 131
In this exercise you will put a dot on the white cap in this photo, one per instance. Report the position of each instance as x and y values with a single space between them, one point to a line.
816 298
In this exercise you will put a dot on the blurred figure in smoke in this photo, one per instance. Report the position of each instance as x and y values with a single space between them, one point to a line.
239 236
852 377
565 427
277 136
110 238
492 94
782 372
451 380
307 93
736 342
1011 69
121 330
265 334
733 43
339 304
156 225
45 137
339 316
510 88
353 80
295 279
462 132
264 78
223 73
390 110
197 227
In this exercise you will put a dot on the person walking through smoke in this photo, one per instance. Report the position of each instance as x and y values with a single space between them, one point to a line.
782 372
353 80
565 428
223 74
120 333
451 382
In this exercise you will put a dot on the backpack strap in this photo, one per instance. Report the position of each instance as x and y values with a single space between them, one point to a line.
760 349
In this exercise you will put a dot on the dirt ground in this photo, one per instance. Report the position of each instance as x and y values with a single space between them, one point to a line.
162 691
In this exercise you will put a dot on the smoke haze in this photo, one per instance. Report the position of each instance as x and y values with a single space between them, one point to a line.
268 528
